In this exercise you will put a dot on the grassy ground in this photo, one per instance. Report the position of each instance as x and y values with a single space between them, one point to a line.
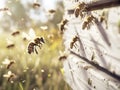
40 71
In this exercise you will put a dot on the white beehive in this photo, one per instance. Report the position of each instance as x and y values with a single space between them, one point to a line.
94 60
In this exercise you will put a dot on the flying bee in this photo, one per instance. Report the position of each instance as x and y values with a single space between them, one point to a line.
79 9
8 63
34 41
62 25
15 33
9 76
32 48
88 20
36 4
64 21
62 57
32 45
4 9
75 39
77 12
10 46
52 11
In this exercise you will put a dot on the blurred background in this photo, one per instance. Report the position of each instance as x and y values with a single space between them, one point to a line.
21 21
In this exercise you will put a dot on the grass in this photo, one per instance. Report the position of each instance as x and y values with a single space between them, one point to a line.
32 71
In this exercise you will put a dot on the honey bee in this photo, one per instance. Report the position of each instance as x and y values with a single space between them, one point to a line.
62 57
4 9
88 20
10 46
103 18
76 0
10 64
79 9
52 11
77 12
73 41
9 76
15 33
32 45
63 23
36 4
32 48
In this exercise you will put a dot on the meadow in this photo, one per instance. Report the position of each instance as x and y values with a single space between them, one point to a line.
42 71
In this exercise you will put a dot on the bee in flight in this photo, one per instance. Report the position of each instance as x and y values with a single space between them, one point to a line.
15 33
52 11
10 46
36 4
8 63
61 58
4 9
79 9
37 43
10 76
104 18
62 25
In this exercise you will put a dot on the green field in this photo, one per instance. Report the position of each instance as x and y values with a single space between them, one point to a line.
42 71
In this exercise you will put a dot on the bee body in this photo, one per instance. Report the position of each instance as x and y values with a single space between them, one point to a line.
32 45
52 11
10 64
62 58
10 46
77 12
35 5
89 19
79 9
15 33
62 25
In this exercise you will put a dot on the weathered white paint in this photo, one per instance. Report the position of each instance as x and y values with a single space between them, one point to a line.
104 43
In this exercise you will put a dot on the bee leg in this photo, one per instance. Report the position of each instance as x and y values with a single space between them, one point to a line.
39 46
36 51
89 25
75 45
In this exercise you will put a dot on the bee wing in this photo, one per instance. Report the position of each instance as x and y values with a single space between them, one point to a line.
9 13
6 61
44 27
31 34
